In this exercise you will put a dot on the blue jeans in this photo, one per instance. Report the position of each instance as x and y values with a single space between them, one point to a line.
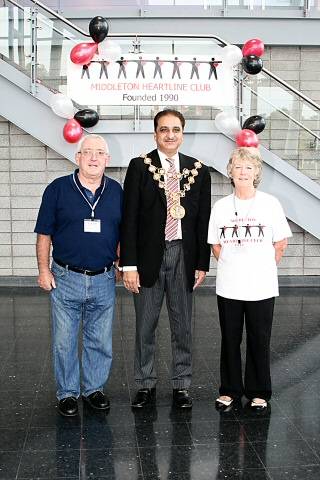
91 300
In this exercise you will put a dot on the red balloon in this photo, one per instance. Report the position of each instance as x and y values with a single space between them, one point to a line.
247 138
82 53
72 131
255 46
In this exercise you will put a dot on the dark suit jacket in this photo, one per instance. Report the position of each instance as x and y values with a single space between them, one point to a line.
144 219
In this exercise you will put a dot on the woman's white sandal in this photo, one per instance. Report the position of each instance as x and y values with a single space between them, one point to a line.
223 404
258 405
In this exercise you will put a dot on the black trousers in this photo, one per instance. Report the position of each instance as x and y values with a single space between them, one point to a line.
257 316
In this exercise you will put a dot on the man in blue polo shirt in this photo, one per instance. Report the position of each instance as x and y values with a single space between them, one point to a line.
80 216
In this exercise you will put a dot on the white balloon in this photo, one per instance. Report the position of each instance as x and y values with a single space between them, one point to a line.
109 50
227 123
62 105
232 55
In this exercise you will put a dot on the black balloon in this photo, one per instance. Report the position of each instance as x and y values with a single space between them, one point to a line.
256 123
98 29
252 64
87 118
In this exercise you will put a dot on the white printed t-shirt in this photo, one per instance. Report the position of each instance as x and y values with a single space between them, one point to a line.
246 231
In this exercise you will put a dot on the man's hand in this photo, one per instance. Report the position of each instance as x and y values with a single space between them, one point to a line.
46 280
131 281
199 277
118 276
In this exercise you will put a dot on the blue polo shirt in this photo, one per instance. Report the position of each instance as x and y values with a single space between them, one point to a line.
62 213
92 197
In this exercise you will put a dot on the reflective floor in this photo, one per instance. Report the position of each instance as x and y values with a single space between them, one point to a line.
160 443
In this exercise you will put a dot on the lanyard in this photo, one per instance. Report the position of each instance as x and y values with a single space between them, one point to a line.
92 207
249 209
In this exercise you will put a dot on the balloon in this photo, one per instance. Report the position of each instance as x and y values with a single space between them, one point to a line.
109 50
87 118
256 123
72 131
227 124
62 105
82 53
252 64
247 138
232 55
255 46
98 29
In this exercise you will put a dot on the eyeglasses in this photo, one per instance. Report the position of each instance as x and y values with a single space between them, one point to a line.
98 153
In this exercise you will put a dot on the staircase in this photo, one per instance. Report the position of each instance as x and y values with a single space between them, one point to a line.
35 44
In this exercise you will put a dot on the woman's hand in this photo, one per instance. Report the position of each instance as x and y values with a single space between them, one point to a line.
279 249
216 249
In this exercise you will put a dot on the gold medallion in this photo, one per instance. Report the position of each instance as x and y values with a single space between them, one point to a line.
159 175
177 211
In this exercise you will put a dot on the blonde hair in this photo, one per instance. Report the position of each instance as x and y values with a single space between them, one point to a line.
250 154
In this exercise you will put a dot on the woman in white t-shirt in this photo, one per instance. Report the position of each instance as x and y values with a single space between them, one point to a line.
248 232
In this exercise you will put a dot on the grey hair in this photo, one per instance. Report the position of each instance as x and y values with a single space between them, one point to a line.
250 154
92 135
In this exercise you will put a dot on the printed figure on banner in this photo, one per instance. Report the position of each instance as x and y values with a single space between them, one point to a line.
148 79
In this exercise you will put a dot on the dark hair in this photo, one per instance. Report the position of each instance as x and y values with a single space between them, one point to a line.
168 111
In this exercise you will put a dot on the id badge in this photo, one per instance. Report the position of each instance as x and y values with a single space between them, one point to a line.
91 226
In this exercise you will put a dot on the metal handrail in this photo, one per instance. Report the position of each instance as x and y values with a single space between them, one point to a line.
188 36
167 35
55 29
284 113
54 14
224 7
292 89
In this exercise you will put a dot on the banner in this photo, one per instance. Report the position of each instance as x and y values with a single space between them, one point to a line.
146 79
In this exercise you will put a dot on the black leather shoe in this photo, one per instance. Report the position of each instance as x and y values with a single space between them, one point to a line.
68 407
181 398
97 400
144 397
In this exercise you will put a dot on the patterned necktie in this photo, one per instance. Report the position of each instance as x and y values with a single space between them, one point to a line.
171 230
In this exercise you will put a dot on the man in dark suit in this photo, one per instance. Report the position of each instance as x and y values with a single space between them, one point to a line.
164 250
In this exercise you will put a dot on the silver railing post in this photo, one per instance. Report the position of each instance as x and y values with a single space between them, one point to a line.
306 8
136 119
34 50
136 45
224 10
136 48
240 94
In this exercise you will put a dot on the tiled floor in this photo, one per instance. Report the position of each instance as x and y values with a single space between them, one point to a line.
37 443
